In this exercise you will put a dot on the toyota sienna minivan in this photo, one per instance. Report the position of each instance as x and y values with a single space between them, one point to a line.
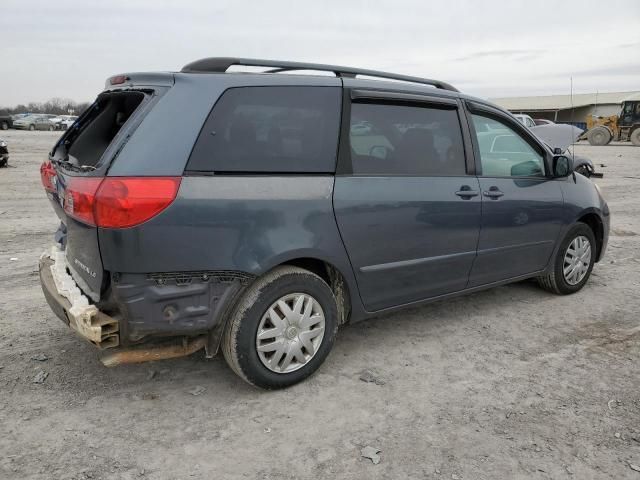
255 213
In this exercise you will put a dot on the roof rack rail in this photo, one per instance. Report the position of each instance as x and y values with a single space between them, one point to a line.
222 64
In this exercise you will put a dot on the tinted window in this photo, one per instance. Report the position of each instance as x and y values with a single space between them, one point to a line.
503 152
270 129
405 140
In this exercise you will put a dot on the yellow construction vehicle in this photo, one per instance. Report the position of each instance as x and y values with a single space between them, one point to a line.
621 128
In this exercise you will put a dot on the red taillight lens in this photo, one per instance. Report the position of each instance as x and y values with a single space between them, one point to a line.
80 197
119 202
125 202
47 175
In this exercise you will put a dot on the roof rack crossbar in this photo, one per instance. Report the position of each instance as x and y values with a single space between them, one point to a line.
222 64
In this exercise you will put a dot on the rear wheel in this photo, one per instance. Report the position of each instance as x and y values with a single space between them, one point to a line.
573 263
599 136
635 137
32 127
282 328
51 128
4 126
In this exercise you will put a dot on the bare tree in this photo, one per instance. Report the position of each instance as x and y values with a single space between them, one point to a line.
54 106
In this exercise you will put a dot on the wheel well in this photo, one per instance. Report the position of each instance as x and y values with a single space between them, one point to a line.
334 279
595 224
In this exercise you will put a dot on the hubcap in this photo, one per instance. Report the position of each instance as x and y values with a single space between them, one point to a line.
290 333
577 259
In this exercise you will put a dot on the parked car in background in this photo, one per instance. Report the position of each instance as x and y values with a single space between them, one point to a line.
558 137
4 153
67 121
526 120
6 122
56 120
277 207
34 122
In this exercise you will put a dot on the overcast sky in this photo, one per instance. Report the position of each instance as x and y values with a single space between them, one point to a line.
67 48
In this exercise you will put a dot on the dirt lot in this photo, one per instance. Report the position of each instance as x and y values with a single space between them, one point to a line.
509 383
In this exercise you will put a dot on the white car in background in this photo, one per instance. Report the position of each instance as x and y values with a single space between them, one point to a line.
67 121
526 120
55 119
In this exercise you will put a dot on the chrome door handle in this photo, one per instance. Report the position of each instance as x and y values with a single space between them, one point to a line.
466 192
493 192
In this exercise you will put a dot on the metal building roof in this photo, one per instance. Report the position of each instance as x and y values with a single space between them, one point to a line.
563 102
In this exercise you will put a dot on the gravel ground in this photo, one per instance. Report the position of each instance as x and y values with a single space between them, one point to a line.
508 383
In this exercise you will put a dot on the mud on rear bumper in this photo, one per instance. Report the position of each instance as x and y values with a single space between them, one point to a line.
72 307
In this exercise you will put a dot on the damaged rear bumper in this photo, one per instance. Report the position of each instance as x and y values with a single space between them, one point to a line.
72 307
150 316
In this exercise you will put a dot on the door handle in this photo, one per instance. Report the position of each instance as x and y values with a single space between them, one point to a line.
493 192
466 192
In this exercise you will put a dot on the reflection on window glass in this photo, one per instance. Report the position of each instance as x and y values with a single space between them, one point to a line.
405 140
503 152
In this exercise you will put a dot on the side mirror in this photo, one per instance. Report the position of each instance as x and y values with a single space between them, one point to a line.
562 166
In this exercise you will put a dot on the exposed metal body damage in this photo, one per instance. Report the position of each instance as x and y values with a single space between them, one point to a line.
82 316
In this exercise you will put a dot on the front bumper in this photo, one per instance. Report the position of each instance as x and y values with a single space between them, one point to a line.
71 306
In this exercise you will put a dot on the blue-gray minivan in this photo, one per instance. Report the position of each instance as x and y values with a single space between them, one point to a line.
257 212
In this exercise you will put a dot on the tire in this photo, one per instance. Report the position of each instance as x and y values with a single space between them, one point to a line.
556 281
253 313
51 128
4 126
32 128
584 169
635 137
3 163
599 136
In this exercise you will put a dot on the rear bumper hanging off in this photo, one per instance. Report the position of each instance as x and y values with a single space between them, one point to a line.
71 305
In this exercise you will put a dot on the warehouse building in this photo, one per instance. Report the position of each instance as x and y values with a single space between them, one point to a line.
565 109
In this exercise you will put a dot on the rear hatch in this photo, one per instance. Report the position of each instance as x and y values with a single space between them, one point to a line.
75 174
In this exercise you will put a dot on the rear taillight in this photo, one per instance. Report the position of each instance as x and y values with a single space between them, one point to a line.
126 202
119 202
80 198
47 176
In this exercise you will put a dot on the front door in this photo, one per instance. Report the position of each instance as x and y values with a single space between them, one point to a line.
408 213
521 208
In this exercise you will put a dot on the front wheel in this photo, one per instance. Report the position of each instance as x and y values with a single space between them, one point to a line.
635 137
573 262
599 136
4 126
32 128
282 328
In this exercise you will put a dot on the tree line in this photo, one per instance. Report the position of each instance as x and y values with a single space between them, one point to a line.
54 106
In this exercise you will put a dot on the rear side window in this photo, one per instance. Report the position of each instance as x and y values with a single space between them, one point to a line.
270 129
405 140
